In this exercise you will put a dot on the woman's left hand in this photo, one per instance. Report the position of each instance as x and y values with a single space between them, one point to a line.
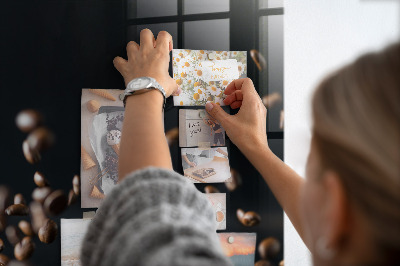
149 59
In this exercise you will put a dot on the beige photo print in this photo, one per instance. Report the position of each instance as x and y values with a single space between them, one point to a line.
102 114
206 165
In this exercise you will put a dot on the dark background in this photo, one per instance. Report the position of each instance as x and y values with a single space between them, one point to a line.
50 50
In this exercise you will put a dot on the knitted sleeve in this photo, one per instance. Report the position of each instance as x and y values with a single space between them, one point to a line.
153 217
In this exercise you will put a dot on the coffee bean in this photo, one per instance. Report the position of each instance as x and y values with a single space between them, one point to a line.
1 245
249 218
172 135
28 120
24 249
38 216
4 260
269 248
258 59
236 180
13 234
240 214
5 200
19 199
25 227
76 184
40 180
31 155
71 197
48 232
55 203
263 263
41 139
40 194
211 189
17 210
19 263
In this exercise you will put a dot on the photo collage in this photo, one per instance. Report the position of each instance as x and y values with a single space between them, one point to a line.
203 76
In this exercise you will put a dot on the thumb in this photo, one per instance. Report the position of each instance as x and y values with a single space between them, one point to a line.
119 63
217 112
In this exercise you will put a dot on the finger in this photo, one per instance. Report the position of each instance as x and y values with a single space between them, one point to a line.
164 41
131 48
177 92
146 40
217 112
236 105
245 85
235 96
119 63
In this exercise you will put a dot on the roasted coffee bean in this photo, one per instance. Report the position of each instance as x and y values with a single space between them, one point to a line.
28 120
19 263
1 245
5 200
41 139
211 189
4 260
31 155
13 234
19 199
240 214
249 218
271 100
172 135
55 203
40 180
71 197
76 184
17 210
263 263
48 232
258 59
269 248
41 193
38 216
236 181
25 227
24 249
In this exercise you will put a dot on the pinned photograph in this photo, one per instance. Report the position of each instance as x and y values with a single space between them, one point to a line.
72 234
204 75
218 201
239 247
197 128
209 165
102 114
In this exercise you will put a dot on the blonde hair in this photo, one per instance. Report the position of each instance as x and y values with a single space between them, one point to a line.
356 114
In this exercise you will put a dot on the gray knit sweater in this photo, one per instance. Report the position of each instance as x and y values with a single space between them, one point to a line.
153 217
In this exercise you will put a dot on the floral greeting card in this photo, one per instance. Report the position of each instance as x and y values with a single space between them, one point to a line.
203 75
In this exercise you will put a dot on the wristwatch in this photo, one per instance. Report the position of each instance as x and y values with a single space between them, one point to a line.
142 84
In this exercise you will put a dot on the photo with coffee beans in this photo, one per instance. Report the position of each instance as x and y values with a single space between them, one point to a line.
102 115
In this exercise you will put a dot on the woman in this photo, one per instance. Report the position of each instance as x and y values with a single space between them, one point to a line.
349 204
218 131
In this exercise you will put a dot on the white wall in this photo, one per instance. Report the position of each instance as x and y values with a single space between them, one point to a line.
320 36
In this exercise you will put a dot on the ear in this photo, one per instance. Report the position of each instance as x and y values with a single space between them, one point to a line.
336 212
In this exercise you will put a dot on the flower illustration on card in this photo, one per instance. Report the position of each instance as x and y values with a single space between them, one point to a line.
204 75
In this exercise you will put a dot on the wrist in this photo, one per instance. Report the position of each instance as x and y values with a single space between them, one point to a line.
146 99
256 147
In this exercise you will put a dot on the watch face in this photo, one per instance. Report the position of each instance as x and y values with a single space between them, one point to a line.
140 83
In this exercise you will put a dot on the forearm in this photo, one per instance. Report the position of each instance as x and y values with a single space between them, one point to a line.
285 183
143 140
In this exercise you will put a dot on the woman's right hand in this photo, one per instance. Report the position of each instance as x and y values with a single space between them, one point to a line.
246 129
